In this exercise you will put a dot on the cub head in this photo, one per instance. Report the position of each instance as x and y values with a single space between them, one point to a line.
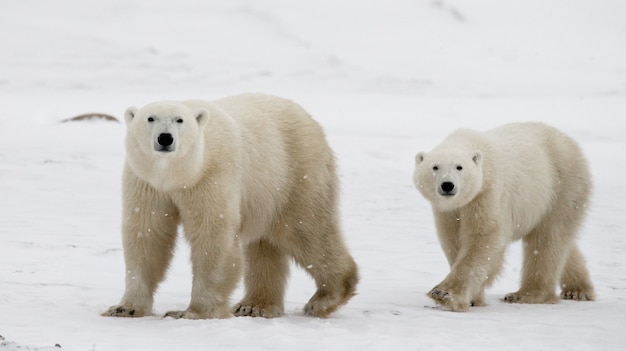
164 129
449 179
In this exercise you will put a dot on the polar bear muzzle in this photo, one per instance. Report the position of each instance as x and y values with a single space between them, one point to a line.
165 143
447 189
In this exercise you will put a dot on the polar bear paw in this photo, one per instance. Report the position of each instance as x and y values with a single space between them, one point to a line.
190 313
324 302
449 300
251 309
124 311
578 294
319 308
531 297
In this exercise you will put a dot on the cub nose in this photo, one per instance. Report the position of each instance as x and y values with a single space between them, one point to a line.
165 139
447 187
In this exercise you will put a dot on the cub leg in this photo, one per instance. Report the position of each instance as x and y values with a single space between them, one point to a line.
475 267
480 248
546 250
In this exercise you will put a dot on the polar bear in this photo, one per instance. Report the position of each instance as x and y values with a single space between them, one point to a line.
252 180
523 181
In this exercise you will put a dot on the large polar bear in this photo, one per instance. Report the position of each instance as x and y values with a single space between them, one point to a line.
520 181
249 173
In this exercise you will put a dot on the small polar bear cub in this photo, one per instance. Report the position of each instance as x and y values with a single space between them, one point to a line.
523 181
253 183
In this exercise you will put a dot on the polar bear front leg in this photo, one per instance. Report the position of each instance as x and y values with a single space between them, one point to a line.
216 267
478 261
149 229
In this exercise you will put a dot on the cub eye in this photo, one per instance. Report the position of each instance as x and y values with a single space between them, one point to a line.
459 168
150 119
435 168
179 121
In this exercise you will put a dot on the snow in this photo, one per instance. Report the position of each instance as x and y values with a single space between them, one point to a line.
385 79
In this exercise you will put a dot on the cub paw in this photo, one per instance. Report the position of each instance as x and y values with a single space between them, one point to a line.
449 300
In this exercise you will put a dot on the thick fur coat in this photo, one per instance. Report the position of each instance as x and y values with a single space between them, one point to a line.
253 183
524 181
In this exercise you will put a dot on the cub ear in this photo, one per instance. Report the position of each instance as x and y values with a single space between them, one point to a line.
129 114
202 117
419 158
477 157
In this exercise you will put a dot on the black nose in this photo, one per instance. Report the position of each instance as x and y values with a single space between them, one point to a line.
165 139
447 186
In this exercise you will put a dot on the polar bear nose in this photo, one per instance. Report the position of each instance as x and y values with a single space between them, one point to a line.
165 139
447 188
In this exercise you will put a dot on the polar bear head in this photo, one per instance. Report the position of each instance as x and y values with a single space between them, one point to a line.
449 178
165 129
165 141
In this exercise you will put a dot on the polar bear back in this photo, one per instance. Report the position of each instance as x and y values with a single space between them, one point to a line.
279 146
533 169
549 172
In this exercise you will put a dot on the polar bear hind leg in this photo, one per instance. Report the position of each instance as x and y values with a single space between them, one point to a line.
551 257
315 246
267 269
334 271
308 231
545 253
314 240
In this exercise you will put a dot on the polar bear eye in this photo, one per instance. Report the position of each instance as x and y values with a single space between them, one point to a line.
150 119
459 168
179 121
435 168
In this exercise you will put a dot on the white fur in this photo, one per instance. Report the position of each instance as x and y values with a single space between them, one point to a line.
163 169
252 170
524 180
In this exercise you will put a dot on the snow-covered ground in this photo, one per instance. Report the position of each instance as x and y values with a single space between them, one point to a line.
385 78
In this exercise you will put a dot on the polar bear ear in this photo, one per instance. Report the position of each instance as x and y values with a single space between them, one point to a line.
477 157
419 158
202 117
129 114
